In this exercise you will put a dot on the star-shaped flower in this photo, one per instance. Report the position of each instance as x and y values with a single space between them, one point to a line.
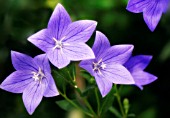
136 66
107 67
64 40
32 78
152 10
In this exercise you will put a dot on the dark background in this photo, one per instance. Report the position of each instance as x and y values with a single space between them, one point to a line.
21 18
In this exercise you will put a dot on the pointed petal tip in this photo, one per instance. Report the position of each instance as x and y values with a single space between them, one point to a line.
149 57
103 95
151 28
56 94
140 87
52 95
1 86
154 78
59 5
99 33
13 52
131 46
30 112
93 22
130 9
60 66
29 39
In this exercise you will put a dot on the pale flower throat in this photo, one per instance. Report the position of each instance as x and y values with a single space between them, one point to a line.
38 76
98 66
59 44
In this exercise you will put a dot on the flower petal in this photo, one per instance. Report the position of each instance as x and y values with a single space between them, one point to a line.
117 54
164 5
117 74
87 65
152 15
33 95
59 21
138 6
78 51
17 81
139 62
143 78
43 63
42 39
58 58
51 89
79 31
22 62
101 44
103 84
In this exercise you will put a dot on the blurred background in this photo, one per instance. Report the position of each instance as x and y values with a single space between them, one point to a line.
21 18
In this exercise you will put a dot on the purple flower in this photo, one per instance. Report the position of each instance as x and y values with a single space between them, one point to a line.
32 78
136 66
64 40
152 10
107 67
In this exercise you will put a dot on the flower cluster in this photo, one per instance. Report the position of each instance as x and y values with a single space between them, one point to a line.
64 41
152 10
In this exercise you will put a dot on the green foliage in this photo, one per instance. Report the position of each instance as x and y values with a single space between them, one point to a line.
106 102
65 105
21 18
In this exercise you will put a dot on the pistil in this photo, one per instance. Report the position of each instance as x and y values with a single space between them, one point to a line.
98 66
38 76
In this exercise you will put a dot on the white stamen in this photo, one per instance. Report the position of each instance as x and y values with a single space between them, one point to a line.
59 44
103 65
38 76
99 65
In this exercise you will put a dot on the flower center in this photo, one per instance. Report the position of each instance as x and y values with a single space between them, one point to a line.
58 43
38 76
98 66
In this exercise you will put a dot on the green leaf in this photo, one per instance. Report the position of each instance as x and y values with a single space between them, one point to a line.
107 101
65 105
59 80
88 88
64 76
131 115
148 113
115 112
87 76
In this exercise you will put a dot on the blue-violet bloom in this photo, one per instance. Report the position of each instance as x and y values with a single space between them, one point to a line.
152 10
64 40
107 67
32 78
136 66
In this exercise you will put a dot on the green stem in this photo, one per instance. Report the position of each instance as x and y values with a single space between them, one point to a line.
89 107
98 102
119 102
75 105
